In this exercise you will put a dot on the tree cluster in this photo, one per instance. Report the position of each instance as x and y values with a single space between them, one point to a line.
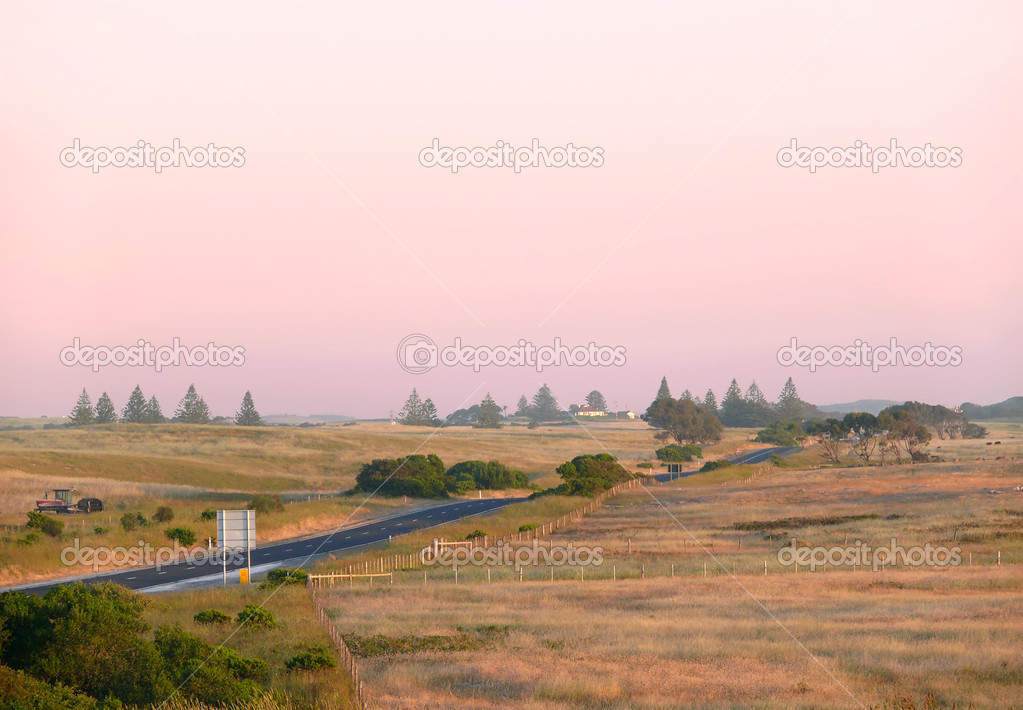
588 475
422 476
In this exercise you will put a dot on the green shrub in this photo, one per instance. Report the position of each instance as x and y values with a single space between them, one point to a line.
133 521
183 536
256 617
777 460
476 533
265 504
208 514
20 691
313 658
486 475
588 475
416 476
282 575
527 527
211 616
215 676
100 530
645 464
163 514
715 465
45 524
783 432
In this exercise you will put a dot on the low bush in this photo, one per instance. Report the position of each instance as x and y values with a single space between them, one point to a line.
282 575
715 465
45 524
256 617
313 658
183 536
163 514
211 616
208 514
265 504
133 521
527 527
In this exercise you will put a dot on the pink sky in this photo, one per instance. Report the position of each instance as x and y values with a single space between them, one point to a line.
332 243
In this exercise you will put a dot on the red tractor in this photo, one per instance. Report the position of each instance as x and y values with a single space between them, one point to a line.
61 503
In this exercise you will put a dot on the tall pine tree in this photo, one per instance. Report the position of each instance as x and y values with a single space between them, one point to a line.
733 406
83 413
135 411
247 415
192 408
106 412
154 414
790 406
522 408
596 401
489 416
545 405
710 402
663 391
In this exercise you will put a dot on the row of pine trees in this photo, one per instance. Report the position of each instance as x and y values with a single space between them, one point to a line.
192 409
752 408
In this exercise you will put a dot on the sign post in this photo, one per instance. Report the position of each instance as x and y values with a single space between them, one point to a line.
236 530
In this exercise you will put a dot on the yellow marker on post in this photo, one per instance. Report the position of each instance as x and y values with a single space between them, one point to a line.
243 576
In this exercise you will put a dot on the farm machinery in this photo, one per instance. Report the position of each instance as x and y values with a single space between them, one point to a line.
62 504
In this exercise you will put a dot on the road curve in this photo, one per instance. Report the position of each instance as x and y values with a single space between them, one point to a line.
755 456
140 578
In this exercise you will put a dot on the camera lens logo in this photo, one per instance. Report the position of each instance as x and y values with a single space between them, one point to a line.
417 354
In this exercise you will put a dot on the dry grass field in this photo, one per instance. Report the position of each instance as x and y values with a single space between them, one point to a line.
840 638
680 612
194 468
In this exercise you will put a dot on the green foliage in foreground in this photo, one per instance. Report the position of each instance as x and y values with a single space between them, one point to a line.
94 641
715 465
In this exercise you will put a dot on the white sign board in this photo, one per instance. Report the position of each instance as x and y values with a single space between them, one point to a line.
236 529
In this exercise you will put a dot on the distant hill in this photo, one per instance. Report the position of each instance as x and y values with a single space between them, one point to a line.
873 406
1011 408
310 419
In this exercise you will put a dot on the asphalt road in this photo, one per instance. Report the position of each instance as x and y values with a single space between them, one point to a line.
757 456
140 578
